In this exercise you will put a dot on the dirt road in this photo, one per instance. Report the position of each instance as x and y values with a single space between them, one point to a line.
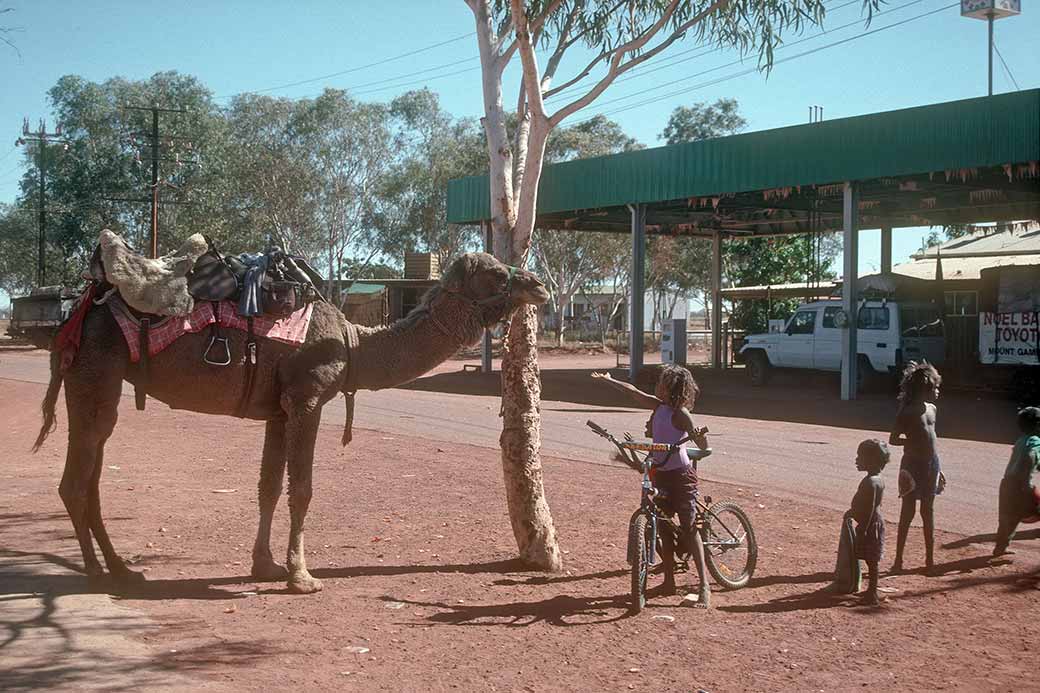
788 458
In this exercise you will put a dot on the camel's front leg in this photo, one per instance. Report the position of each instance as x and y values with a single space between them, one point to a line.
300 434
272 469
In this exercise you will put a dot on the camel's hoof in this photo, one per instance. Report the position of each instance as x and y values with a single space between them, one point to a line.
94 572
267 569
128 577
305 585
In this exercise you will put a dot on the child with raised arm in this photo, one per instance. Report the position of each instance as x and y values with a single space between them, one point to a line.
671 421
1018 493
920 476
871 457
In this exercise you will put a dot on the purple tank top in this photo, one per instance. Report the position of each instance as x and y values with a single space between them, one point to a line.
665 432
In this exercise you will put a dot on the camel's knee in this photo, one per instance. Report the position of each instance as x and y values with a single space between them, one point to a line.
75 497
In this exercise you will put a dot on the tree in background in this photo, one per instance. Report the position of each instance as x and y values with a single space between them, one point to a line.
620 36
568 261
410 206
703 121
18 237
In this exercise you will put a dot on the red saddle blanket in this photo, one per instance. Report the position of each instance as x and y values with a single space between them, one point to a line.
292 329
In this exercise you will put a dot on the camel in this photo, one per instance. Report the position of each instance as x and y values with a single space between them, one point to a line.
291 386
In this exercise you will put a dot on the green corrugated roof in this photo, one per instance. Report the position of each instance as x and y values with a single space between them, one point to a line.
987 131
365 288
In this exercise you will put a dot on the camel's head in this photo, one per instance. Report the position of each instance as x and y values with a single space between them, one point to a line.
494 286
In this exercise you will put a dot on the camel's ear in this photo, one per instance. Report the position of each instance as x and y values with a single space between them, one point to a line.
455 278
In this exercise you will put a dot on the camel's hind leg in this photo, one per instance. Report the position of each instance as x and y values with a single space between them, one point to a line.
300 435
272 470
90 424
115 564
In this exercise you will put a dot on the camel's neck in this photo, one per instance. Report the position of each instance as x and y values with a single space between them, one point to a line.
427 337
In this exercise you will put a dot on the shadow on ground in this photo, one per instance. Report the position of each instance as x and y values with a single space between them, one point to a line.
729 394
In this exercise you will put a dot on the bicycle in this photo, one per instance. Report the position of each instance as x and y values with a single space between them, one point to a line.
730 549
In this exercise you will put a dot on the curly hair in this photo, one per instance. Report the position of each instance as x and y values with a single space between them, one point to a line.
916 377
874 453
1029 420
682 388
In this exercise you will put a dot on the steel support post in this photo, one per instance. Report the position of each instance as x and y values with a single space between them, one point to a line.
849 348
886 250
485 350
637 284
717 344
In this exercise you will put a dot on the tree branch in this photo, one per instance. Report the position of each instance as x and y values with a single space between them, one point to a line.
616 66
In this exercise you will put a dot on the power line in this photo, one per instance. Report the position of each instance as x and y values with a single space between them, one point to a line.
641 71
350 70
756 69
1006 68
740 61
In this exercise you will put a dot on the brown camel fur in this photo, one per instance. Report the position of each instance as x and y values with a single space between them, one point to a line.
291 386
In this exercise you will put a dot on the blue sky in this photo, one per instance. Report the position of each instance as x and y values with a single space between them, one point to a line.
235 46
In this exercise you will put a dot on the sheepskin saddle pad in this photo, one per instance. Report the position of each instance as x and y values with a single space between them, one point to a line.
159 286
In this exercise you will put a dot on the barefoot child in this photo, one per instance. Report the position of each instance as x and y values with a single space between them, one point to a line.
1018 499
919 471
871 457
673 398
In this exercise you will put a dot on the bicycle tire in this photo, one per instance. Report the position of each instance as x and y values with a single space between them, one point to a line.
731 552
641 563
632 550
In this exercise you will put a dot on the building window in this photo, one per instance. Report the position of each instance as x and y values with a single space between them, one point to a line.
962 302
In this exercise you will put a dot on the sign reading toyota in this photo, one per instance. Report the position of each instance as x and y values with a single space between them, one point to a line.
1012 338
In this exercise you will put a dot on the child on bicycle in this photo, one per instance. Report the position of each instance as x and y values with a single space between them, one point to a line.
871 457
675 474
1018 499
920 477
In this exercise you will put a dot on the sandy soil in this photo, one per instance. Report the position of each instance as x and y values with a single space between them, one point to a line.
412 541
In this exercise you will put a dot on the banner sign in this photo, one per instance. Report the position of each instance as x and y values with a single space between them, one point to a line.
1011 338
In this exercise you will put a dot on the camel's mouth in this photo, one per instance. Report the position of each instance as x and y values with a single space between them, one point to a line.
527 288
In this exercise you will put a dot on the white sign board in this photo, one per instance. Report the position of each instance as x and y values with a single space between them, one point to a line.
983 9
1010 338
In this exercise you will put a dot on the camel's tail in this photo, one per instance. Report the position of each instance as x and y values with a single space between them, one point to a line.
50 401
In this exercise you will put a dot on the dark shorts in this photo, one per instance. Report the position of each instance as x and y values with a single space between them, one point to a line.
925 473
679 485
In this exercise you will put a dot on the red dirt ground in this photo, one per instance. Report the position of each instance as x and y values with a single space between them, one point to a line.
412 541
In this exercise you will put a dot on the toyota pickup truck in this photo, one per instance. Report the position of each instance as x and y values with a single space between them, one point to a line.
889 333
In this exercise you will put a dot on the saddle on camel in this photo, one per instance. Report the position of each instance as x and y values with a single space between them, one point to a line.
196 288
246 336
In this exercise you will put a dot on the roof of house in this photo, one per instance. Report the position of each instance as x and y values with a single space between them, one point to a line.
964 258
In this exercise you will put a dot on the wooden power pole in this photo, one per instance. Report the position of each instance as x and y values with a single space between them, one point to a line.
42 138
155 159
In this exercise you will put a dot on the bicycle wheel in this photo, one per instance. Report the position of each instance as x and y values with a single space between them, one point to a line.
632 551
730 549
644 556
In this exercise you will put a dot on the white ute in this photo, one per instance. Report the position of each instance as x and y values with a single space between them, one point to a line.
890 333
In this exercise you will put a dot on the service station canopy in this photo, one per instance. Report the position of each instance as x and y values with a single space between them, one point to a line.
975 160
970 161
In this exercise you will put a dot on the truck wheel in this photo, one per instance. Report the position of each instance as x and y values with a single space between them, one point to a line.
758 368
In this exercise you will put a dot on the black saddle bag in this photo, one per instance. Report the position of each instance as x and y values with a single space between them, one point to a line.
211 279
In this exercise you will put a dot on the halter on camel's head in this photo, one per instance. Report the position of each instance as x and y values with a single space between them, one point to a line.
492 289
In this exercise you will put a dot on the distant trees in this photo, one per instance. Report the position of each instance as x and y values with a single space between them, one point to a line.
348 183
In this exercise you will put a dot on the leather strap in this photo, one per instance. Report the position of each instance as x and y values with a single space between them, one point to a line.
141 386
251 361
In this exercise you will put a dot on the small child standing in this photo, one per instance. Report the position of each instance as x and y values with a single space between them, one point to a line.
920 476
1018 499
871 457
